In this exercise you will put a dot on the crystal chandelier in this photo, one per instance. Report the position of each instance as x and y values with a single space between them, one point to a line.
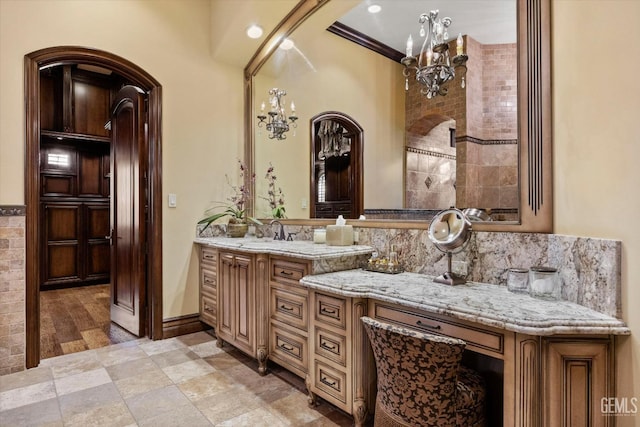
433 66
278 123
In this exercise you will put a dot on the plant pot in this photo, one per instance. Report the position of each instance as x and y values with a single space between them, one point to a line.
237 230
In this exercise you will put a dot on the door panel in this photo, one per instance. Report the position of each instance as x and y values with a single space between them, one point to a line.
128 206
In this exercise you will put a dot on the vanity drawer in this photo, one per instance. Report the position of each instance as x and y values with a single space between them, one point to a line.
208 310
289 348
331 310
208 281
287 271
209 256
332 382
331 346
289 307
477 338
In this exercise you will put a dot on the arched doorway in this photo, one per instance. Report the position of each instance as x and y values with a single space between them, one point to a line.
34 62
336 166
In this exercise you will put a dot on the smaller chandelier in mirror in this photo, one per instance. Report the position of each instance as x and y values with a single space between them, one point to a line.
450 231
433 65
277 123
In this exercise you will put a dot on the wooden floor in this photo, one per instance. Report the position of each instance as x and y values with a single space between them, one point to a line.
77 319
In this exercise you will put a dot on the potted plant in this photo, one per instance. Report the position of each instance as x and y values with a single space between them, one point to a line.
274 197
235 208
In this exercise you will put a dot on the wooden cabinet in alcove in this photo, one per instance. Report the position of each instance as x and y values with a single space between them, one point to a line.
74 174
336 166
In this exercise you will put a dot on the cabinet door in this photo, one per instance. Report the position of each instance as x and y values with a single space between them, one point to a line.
97 265
245 304
61 241
226 298
578 376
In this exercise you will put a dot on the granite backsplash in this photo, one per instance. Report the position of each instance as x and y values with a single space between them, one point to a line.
590 268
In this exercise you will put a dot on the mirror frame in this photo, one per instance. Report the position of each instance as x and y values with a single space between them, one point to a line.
534 118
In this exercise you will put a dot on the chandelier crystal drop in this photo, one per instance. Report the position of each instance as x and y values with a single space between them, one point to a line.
277 123
433 66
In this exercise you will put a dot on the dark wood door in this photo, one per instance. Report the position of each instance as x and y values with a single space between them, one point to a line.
128 210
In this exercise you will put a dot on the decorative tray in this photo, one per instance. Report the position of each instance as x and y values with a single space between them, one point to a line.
383 268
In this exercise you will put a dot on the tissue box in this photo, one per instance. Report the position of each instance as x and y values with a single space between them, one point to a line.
339 235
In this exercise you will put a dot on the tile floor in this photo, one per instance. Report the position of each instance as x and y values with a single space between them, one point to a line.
183 381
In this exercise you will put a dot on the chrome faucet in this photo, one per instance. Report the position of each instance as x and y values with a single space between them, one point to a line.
278 235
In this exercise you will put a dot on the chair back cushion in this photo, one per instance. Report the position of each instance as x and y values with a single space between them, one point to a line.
417 373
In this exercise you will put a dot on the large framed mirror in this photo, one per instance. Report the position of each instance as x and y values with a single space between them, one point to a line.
322 72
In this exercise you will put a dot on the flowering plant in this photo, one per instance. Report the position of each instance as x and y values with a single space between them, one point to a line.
275 198
235 208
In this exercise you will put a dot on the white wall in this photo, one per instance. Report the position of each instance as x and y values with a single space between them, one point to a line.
201 109
596 113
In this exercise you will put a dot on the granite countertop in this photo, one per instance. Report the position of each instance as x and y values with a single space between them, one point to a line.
303 249
486 304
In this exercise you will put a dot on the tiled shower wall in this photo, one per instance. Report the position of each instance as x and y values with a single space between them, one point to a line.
485 118
12 289
430 169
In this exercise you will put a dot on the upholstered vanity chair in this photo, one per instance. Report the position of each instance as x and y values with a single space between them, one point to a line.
421 381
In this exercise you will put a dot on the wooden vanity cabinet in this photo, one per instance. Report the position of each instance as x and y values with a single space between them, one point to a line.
289 315
342 369
208 285
236 316
578 375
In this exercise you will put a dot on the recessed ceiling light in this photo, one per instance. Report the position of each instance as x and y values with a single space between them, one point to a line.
286 44
254 31
374 8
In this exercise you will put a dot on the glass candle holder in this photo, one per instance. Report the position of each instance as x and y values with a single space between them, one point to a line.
544 282
518 280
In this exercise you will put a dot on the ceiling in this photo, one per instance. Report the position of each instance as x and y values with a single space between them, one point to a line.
487 21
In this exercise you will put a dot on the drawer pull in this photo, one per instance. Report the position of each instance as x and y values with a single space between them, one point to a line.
331 384
324 345
208 256
286 347
208 308
286 273
207 280
424 325
284 307
327 311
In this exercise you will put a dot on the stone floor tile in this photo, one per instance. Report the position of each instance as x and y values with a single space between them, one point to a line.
86 400
113 415
112 356
25 378
196 338
82 381
161 346
295 409
206 349
27 395
257 417
185 415
45 412
174 357
204 386
142 383
75 367
223 361
226 405
187 370
131 368
156 402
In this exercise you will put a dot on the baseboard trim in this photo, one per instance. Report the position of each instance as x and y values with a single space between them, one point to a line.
182 325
